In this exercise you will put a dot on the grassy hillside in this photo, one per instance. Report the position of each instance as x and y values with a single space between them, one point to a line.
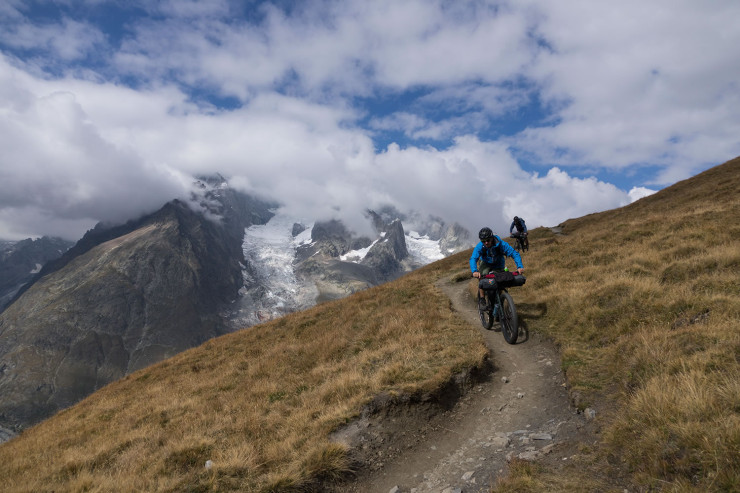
258 403
643 302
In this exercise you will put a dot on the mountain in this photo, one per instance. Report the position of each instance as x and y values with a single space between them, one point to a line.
292 264
129 295
21 260
121 299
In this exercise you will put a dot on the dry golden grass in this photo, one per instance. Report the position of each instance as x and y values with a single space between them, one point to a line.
259 404
644 302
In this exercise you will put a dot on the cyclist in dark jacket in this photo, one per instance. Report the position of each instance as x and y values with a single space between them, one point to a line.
521 230
490 254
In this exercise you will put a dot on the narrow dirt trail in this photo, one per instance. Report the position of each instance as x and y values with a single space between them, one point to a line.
522 411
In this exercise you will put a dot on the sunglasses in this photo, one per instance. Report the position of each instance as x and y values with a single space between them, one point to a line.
490 240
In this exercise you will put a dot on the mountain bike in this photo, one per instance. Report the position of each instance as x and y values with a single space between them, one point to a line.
499 301
521 244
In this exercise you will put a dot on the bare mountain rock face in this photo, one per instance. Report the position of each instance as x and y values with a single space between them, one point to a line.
117 302
320 264
387 255
454 239
20 261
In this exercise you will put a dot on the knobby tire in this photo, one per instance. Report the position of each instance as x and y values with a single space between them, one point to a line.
486 316
508 317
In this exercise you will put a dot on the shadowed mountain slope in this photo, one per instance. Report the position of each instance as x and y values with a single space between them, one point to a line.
111 308
19 261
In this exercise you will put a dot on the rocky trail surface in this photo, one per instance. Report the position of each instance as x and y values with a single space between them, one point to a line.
521 411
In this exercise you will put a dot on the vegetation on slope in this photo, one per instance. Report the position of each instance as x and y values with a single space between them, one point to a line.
643 302
259 403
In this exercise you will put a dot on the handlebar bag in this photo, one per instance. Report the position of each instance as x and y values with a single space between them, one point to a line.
487 283
501 279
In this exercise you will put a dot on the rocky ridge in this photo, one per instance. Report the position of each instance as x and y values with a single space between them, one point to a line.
21 260
113 305
292 265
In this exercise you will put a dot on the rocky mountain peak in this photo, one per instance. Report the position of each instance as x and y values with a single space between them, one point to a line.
121 299
387 254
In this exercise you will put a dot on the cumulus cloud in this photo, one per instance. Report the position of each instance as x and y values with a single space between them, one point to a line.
470 111
59 166
636 193
637 82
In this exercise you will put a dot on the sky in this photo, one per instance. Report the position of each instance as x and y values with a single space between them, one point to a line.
469 110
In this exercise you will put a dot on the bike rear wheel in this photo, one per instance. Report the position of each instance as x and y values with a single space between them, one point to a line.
486 316
519 244
508 317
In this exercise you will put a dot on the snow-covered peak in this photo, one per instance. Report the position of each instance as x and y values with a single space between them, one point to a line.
271 284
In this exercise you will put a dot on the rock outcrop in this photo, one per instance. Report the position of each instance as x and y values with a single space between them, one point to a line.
20 261
386 256
454 239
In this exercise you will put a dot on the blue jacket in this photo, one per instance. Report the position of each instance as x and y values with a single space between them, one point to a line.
495 255
513 225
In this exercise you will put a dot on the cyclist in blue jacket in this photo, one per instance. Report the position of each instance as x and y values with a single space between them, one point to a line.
521 230
490 255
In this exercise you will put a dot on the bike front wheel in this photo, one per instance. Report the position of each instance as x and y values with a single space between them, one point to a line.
486 316
509 319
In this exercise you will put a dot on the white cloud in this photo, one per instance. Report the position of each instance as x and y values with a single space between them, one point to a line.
58 164
69 40
638 82
622 85
636 193
480 184
109 153
557 196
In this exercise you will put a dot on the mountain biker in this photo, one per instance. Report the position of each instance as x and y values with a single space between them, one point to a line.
490 254
521 231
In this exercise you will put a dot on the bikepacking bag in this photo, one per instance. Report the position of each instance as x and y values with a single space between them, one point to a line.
501 279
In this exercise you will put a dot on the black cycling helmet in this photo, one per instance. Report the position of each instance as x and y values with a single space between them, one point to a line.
485 234
516 218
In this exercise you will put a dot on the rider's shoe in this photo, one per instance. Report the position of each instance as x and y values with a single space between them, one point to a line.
484 305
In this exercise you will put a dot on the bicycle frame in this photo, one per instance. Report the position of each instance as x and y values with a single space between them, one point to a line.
502 304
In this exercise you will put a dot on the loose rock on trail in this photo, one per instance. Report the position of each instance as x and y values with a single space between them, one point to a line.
522 411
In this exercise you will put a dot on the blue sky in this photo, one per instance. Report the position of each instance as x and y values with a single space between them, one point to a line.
473 111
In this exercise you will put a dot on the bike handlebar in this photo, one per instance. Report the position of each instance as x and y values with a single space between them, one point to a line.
514 272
